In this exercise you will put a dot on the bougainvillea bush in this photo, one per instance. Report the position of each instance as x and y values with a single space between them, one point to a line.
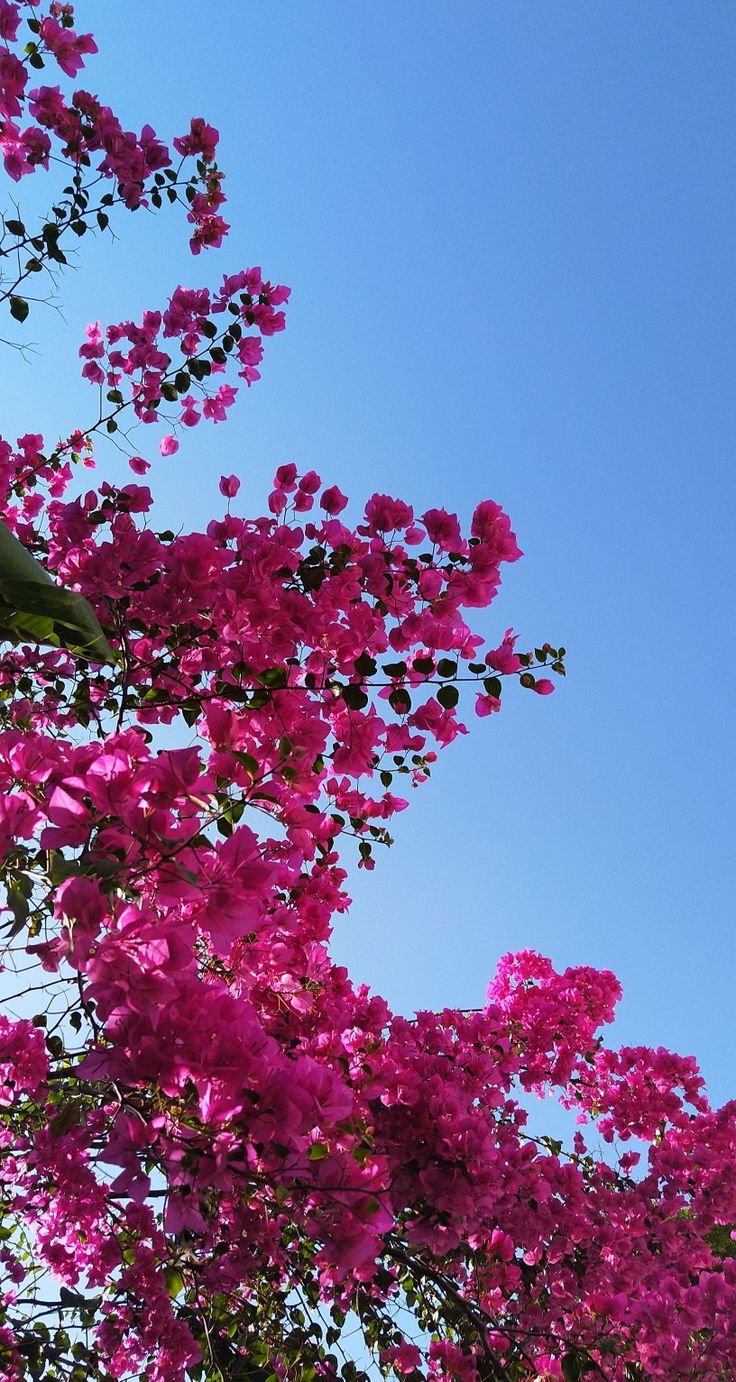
219 1158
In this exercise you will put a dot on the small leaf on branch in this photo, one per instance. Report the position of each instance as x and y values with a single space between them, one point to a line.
400 700
365 665
354 697
273 677
448 696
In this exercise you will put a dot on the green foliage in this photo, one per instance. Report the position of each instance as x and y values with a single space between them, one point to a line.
33 609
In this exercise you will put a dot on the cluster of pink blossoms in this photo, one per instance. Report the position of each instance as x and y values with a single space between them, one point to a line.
209 328
39 123
218 1051
219 1149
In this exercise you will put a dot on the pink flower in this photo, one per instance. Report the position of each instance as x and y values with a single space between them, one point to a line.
285 477
190 415
9 21
544 687
486 705
168 446
443 529
68 48
202 139
503 659
229 486
333 500
385 515
403 1358
549 1369
138 464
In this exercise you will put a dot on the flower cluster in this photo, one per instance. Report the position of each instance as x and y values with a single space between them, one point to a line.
43 125
210 328
223 1151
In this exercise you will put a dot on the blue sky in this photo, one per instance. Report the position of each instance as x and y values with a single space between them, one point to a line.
508 228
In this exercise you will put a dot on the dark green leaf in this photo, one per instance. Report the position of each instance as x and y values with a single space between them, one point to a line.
354 697
448 696
273 677
720 1241
365 665
400 700
65 617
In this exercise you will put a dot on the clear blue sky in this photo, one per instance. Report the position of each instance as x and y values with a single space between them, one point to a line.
509 232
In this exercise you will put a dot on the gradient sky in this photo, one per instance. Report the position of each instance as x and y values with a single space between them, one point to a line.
509 232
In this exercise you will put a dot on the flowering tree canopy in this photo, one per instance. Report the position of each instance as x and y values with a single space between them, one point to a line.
219 1158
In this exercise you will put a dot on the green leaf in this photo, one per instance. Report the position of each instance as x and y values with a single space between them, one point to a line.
15 227
273 677
74 622
71 1298
317 1152
492 686
44 612
446 667
17 903
448 696
354 697
251 765
174 1281
365 666
70 1115
400 700
719 1240
199 369
576 1365
18 308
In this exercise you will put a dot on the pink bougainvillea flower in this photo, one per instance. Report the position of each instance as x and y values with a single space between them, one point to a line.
229 486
